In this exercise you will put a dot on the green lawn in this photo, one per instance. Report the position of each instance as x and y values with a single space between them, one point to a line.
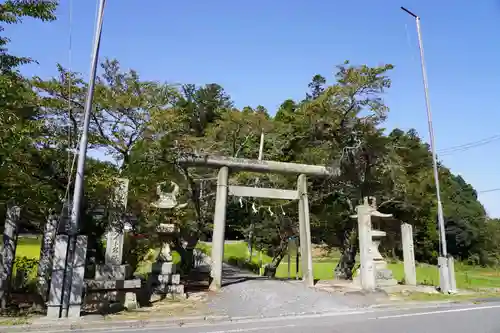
468 277
28 247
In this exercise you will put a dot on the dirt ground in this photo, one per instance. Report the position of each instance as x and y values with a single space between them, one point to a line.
196 287
195 305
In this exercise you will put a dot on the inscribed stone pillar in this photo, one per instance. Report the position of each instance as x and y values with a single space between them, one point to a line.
55 298
451 268
367 271
77 282
71 229
305 232
408 254
219 228
444 278
54 304
115 235
8 251
46 253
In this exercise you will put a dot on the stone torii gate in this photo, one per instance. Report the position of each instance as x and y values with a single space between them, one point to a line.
227 164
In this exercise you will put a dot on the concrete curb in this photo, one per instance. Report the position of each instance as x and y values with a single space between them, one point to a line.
79 324
62 325
412 304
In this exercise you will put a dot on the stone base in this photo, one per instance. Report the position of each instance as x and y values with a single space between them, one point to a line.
383 279
98 285
106 300
113 272
383 274
130 302
167 290
163 268
74 311
170 289
53 311
386 283
104 297
165 279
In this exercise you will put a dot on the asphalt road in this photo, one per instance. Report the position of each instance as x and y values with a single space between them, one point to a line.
480 318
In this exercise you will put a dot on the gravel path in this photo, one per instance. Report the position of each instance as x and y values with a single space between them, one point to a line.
245 294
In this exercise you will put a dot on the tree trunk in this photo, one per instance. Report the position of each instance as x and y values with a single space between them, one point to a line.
270 269
185 247
345 267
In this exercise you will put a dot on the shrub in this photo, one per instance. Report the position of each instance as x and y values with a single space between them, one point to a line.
243 263
28 267
135 249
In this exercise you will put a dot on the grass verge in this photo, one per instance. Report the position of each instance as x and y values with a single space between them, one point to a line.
468 277
476 297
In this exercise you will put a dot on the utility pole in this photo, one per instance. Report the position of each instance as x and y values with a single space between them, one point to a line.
82 154
445 274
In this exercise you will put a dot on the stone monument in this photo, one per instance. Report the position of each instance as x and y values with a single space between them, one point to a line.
115 234
46 254
408 254
113 284
8 252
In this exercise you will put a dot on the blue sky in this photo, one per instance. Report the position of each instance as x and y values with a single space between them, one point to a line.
264 52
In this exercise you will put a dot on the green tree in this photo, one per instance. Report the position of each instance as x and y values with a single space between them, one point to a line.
24 134
13 12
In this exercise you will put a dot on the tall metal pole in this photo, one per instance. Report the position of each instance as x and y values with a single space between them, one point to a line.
441 226
82 154
82 151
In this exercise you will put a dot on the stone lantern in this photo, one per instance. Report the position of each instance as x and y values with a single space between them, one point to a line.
164 279
374 272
